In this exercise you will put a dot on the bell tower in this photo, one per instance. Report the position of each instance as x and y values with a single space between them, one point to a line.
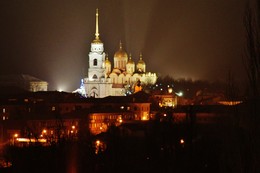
97 84
97 56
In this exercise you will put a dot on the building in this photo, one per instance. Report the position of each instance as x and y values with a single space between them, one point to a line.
23 82
103 80
58 115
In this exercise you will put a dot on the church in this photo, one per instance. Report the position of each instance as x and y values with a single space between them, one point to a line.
118 80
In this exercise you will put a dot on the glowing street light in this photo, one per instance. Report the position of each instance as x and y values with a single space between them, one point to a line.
98 142
44 131
15 136
182 142
180 94
170 90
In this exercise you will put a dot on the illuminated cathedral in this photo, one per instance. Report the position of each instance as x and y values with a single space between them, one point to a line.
103 80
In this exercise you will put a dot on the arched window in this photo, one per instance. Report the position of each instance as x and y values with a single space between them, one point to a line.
95 62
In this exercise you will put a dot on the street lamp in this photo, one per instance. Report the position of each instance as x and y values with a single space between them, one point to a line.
44 131
15 136
180 94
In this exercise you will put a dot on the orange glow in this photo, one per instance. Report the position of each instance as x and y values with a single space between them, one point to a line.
230 103
138 88
120 120
44 131
145 116
100 146
98 142
31 140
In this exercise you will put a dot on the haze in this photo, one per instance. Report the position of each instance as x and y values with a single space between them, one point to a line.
50 39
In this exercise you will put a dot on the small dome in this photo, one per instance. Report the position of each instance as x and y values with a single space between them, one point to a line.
141 62
120 53
107 60
130 61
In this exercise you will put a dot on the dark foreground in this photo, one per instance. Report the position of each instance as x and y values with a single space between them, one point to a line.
148 147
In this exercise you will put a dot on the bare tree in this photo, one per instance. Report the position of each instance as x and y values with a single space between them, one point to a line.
249 138
252 55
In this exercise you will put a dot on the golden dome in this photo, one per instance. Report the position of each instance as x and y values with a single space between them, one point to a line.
120 53
141 62
116 70
107 60
130 61
97 41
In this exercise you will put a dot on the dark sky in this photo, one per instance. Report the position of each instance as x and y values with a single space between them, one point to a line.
50 39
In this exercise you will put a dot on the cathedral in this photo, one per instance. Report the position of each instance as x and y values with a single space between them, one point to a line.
103 80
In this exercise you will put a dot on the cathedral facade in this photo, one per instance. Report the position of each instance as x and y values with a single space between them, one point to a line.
106 80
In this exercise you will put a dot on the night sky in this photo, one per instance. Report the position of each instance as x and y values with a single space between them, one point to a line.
50 39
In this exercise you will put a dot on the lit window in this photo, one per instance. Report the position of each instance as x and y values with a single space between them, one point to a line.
53 108
3 110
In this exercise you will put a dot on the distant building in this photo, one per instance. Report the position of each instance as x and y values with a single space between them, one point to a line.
166 100
23 82
104 81
59 114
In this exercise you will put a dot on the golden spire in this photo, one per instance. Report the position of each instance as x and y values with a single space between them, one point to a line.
97 40
120 45
97 33
121 53
141 56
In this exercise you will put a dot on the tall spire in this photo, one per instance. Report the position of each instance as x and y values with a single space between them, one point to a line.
97 40
97 32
